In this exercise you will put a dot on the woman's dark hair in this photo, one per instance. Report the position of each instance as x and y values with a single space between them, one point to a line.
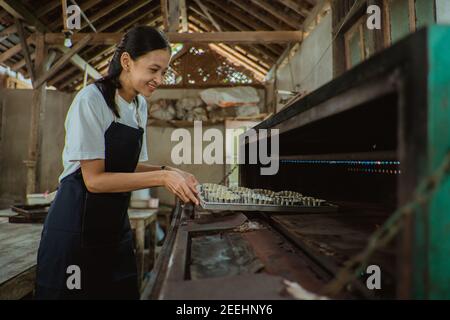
137 41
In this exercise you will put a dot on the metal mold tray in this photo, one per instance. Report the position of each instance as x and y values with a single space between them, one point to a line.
219 206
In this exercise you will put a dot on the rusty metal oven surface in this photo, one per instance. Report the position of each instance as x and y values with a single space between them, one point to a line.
332 239
227 257
222 254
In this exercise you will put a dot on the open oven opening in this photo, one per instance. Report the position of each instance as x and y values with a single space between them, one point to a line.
349 159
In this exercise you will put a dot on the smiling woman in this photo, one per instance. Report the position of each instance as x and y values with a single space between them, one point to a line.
87 226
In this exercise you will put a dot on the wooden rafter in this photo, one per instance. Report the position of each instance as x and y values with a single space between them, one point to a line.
297 6
234 56
104 11
86 6
258 15
260 51
126 12
210 15
25 49
174 15
165 14
110 38
18 10
100 65
63 60
139 19
184 18
240 23
277 13
205 11
109 50
49 7
14 50
34 21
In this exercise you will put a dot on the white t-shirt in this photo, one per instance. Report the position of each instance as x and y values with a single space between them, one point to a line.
87 120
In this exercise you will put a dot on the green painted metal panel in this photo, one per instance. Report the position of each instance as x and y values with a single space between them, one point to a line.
438 147
431 255
399 13
425 13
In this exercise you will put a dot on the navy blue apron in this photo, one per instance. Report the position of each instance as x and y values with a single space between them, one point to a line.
91 231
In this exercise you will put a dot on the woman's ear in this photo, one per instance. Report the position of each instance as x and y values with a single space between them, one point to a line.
125 61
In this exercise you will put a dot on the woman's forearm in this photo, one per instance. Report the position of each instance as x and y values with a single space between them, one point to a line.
141 167
107 182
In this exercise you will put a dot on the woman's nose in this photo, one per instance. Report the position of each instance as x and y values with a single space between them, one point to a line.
158 79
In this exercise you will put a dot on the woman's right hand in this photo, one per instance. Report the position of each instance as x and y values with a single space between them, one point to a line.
177 184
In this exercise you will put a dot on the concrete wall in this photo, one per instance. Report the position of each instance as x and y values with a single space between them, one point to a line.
159 151
312 64
14 135
15 128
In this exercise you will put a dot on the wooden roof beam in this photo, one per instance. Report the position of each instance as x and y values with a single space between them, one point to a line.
249 37
62 76
236 57
205 11
14 50
34 21
165 14
19 11
62 61
240 24
262 50
174 15
103 51
101 13
25 50
258 15
277 13
240 15
184 18
297 6
78 78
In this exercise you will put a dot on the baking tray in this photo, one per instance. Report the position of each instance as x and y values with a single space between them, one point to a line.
219 206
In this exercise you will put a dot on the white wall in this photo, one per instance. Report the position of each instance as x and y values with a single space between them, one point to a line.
312 64
159 153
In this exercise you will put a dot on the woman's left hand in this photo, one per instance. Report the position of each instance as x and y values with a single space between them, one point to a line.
190 179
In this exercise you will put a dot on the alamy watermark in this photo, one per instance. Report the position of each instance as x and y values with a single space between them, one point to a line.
374 19
374 280
213 153
73 19
73 281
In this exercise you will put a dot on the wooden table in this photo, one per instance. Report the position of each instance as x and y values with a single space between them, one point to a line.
140 219
18 253
19 244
